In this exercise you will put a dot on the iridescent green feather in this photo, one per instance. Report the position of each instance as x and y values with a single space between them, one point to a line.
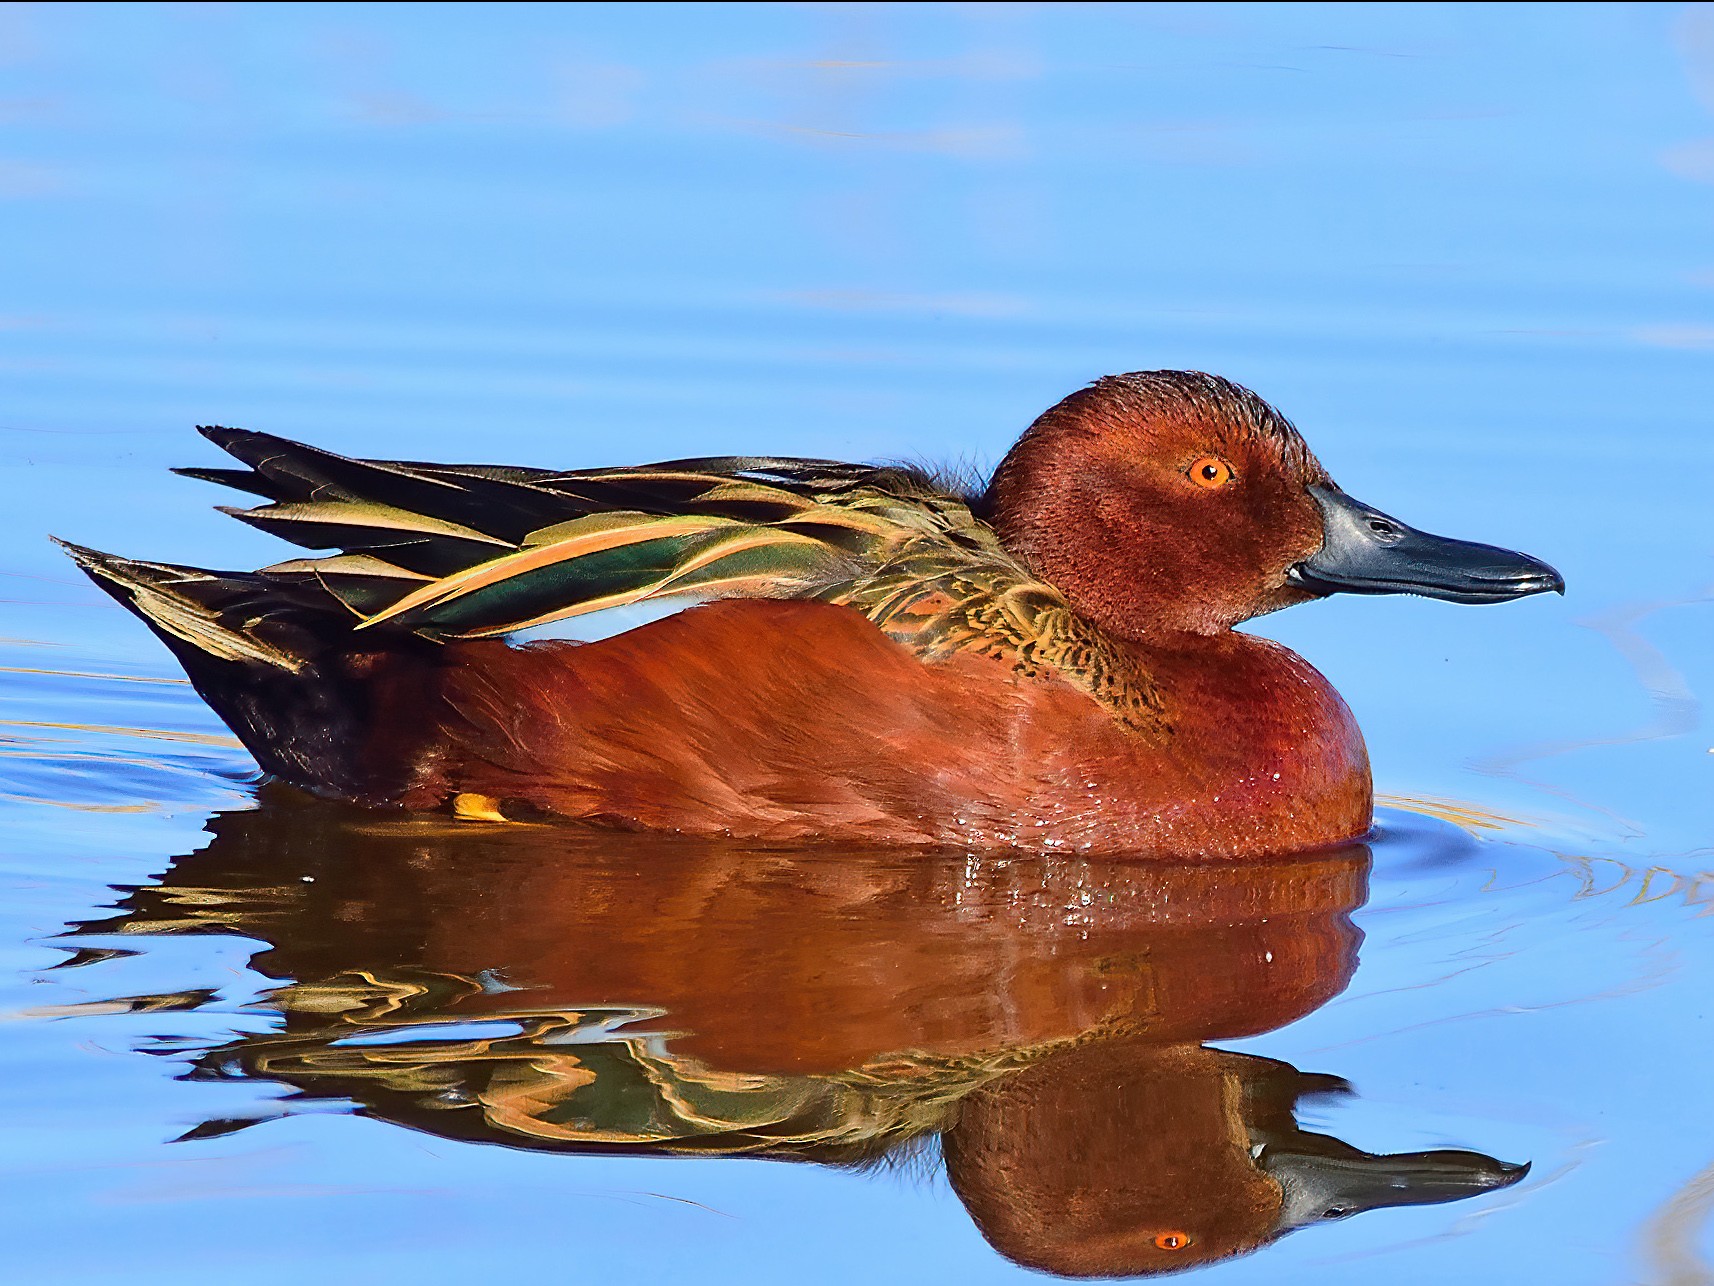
468 551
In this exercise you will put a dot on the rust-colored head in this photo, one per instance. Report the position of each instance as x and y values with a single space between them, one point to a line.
1178 502
1119 1158
1162 500
1124 1157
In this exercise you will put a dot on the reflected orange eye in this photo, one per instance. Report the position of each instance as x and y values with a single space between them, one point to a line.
1210 471
1172 1240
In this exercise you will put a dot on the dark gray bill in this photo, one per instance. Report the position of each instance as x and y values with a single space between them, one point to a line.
1336 1181
1365 551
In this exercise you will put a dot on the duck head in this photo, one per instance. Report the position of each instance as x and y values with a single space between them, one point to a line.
1127 1157
1173 501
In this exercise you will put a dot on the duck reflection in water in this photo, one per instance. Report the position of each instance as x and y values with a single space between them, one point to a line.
1046 1018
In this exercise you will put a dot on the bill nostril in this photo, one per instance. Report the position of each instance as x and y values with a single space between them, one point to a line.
1382 528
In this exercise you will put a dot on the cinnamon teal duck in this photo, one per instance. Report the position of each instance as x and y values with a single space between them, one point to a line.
878 656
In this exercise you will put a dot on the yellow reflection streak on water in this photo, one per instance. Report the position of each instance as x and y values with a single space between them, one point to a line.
1669 1239
115 730
88 674
1470 817
147 806
1697 887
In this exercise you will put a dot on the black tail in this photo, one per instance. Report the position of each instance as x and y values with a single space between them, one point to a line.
276 663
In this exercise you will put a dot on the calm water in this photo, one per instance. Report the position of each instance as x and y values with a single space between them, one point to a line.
1470 251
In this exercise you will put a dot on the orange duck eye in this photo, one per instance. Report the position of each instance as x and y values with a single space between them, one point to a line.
1210 472
1172 1240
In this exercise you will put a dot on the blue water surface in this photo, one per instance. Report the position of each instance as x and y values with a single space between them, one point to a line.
1468 249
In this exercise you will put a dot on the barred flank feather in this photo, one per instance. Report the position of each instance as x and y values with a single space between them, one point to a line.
472 551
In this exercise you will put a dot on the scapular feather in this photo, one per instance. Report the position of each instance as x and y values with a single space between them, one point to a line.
470 551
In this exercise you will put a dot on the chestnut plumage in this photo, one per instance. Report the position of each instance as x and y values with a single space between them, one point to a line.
1048 664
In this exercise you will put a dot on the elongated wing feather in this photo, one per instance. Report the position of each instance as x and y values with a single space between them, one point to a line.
467 551
483 500
506 546
362 583
230 617
597 562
